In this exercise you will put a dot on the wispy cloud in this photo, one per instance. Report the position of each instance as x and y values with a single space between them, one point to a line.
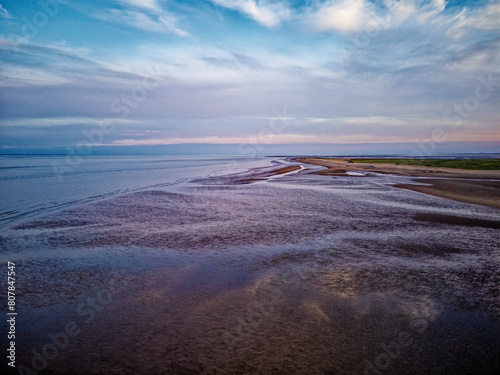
349 16
269 14
343 16
146 15
4 13
148 4
160 23
485 18
222 84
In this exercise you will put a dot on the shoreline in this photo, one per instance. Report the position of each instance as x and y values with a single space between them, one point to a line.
291 168
471 189
263 176
220 278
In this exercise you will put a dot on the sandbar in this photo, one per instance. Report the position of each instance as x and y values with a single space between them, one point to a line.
470 186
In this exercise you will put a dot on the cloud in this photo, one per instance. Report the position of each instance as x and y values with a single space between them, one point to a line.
147 4
486 18
343 16
146 15
161 23
489 19
422 42
4 13
222 85
264 12
350 16
419 11
54 64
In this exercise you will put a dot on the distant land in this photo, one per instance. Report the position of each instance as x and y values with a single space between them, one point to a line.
469 164
415 149
474 181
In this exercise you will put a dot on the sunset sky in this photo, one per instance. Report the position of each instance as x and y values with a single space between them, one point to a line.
228 71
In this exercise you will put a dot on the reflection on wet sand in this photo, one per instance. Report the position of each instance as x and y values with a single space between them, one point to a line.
297 275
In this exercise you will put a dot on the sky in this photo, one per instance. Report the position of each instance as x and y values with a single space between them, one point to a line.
83 74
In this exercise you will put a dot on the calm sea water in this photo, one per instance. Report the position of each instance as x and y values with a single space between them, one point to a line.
172 265
31 185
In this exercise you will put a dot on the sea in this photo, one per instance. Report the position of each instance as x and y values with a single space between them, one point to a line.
215 265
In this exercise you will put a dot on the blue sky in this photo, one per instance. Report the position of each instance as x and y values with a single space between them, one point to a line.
234 71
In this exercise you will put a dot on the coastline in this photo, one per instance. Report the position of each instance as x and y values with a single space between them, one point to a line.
218 275
291 168
467 186
262 176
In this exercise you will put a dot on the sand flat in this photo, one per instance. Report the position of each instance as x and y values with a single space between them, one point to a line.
458 184
284 170
485 193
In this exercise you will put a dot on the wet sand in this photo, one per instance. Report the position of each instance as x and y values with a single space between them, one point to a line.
284 170
300 274
341 166
457 184
485 193
262 174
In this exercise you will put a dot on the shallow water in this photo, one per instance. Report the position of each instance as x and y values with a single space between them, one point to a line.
33 185
296 274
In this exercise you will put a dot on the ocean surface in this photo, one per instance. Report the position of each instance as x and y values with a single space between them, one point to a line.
31 185
211 265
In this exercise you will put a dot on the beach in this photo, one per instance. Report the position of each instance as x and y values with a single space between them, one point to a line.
250 187
253 271
472 186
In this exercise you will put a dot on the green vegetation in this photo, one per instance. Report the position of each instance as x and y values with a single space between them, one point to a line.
477 164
